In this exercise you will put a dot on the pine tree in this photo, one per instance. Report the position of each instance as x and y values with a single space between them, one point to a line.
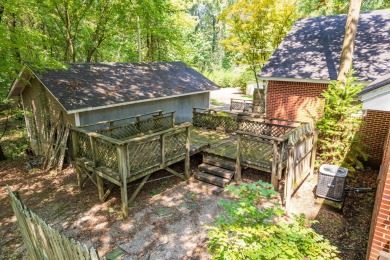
339 137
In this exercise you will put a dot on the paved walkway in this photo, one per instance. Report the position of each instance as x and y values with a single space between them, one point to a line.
220 99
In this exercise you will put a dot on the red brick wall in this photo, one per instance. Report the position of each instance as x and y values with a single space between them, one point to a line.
303 101
375 130
380 225
294 100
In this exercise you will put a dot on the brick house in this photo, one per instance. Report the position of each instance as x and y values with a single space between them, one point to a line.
375 98
307 60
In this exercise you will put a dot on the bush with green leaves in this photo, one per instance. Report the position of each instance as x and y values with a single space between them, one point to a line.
339 139
247 231
230 78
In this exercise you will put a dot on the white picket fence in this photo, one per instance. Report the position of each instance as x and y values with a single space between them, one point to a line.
43 241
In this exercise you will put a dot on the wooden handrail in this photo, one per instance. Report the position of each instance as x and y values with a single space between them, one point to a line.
126 118
262 136
134 122
96 135
177 128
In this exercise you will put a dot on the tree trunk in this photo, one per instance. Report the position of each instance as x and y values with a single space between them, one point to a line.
349 40
2 155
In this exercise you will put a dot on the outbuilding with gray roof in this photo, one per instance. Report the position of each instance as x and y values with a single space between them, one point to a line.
86 93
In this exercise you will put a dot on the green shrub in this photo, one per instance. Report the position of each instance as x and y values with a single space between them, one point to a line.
339 139
245 231
230 78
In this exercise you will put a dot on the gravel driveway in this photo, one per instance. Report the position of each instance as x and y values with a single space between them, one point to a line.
220 99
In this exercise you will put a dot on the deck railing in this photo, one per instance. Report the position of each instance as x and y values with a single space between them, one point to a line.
123 161
135 125
244 105
232 122
294 152
267 144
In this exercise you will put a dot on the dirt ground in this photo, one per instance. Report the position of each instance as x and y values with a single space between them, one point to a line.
169 219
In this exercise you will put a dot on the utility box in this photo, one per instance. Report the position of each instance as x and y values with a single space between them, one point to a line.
331 182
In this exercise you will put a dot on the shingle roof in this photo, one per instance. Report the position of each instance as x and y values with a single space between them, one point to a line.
90 85
379 82
311 50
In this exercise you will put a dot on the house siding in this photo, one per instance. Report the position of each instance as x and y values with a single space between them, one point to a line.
295 100
41 111
379 238
181 105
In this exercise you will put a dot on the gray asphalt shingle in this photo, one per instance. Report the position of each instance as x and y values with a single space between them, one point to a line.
89 85
311 50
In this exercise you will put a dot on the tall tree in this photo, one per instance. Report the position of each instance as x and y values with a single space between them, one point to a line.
330 7
349 41
256 28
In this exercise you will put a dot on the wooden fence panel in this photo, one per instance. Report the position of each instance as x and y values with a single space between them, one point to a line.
44 242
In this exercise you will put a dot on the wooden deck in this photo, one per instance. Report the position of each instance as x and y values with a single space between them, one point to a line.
224 145
124 150
284 148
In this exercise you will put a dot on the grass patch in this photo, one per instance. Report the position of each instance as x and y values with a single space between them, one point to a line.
247 96
215 102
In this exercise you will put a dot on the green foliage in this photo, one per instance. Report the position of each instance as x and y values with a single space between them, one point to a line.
256 28
339 139
331 7
246 231
230 78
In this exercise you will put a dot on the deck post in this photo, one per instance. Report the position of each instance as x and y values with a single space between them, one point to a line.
173 118
99 182
313 152
137 123
162 145
280 160
75 147
237 174
289 178
122 155
274 177
187 156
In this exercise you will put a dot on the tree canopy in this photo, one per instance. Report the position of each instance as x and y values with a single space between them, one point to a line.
209 35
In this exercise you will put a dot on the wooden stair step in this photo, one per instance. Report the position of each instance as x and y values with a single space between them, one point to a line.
206 177
219 162
217 171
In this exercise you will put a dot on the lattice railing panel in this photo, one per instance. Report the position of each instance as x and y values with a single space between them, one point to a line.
258 108
256 151
247 106
264 128
241 105
139 127
215 122
122 131
165 122
175 145
143 155
106 155
84 145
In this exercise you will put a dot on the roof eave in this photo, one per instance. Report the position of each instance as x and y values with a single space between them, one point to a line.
324 81
15 83
48 90
74 111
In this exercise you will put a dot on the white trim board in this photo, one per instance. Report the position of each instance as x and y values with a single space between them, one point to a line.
133 102
325 81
